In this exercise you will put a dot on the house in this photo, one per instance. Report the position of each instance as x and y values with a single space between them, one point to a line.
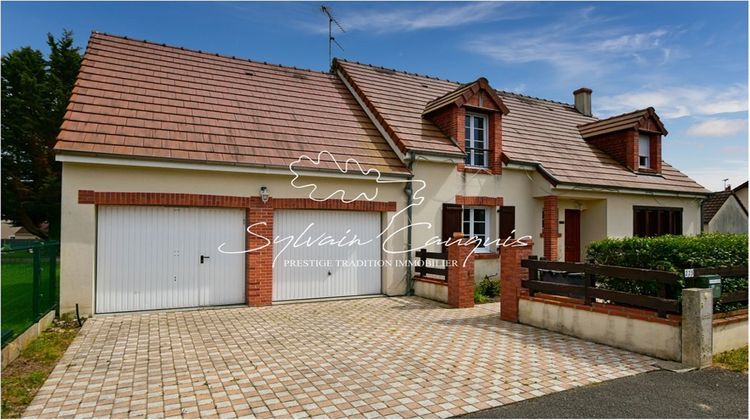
12 232
194 179
741 193
725 212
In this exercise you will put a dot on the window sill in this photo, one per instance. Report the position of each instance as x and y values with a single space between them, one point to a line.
486 255
476 170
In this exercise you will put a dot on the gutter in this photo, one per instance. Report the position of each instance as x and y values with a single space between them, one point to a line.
409 191
118 160
594 188
624 190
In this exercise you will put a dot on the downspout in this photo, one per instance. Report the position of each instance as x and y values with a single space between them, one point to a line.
409 191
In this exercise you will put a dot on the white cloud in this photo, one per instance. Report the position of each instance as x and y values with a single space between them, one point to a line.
632 42
712 177
428 16
676 102
583 46
717 127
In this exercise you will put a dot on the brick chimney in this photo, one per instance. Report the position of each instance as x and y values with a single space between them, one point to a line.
582 98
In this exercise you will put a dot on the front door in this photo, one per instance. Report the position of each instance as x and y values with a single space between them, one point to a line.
572 235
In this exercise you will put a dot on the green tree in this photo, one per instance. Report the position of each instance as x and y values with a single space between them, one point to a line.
35 94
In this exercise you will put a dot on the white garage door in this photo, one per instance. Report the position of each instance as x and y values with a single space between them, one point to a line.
306 269
150 258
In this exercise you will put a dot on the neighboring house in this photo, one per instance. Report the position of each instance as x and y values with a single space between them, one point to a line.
168 152
741 193
10 231
725 212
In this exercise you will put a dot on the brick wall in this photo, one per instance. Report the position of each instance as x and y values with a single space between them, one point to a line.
656 153
460 276
259 270
472 200
623 147
550 225
451 120
259 277
620 145
511 276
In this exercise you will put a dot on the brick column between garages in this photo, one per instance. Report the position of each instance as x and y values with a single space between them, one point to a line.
550 227
259 276
511 276
460 276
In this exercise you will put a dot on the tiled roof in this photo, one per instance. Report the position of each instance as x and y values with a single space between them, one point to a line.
619 122
462 94
535 131
398 99
147 100
713 203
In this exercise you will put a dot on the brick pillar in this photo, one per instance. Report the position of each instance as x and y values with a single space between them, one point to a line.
511 276
259 273
460 276
549 227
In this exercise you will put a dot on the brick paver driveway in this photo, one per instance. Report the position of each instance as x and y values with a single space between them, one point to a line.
380 357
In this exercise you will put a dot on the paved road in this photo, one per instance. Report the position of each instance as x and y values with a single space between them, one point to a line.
710 393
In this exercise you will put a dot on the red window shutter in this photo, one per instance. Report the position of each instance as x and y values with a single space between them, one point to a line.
507 222
452 220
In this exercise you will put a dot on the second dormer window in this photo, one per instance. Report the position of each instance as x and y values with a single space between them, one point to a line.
477 145
644 151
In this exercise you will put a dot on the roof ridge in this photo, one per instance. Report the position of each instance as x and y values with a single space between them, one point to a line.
210 54
400 71
533 97
448 80
619 115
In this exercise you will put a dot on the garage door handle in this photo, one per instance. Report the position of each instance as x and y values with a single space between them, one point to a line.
204 257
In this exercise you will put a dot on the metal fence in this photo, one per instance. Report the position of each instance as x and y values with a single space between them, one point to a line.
30 284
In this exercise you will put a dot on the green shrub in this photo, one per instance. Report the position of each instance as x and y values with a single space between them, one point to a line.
670 253
479 297
489 287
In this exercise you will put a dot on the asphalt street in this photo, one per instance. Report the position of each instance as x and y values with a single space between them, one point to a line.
709 393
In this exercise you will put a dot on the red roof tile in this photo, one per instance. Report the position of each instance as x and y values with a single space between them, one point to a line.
620 122
535 131
147 100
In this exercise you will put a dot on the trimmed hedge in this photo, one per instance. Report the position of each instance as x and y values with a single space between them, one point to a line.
670 253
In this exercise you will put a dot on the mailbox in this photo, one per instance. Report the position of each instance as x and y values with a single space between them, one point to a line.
710 281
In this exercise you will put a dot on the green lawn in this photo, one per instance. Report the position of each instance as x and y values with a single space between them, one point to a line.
735 360
25 375
17 289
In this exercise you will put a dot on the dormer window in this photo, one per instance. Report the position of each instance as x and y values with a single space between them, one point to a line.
644 151
477 144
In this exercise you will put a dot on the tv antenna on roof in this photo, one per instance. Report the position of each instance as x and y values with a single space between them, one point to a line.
331 20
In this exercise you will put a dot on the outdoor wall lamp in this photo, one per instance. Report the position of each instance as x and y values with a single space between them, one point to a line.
264 194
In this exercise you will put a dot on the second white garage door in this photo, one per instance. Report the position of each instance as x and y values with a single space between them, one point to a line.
167 257
300 272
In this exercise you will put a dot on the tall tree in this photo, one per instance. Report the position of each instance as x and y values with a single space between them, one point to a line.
35 94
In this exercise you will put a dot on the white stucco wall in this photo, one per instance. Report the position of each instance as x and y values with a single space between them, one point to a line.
742 195
729 336
444 182
651 338
730 218
603 214
78 250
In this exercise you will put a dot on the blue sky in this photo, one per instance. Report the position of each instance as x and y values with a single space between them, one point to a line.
688 60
